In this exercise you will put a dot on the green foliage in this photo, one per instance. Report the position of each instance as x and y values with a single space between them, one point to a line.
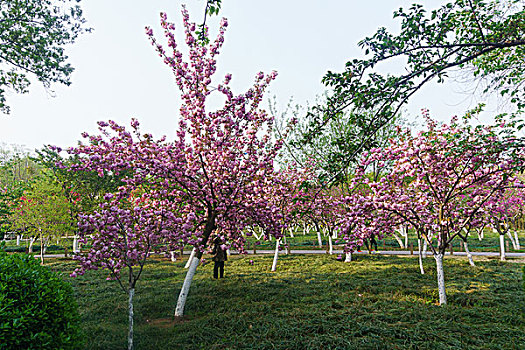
484 37
43 211
33 34
212 8
37 308
82 189
16 166
333 145
17 171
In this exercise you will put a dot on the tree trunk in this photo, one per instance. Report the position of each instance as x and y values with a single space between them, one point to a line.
41 249
405 234
517 240
192 255
469 256
348 257
130 318
425 246
512 240
276 255
330 245
256 235
18 240
440 278
76 248
181 302
172 256
502 247
420 256
319 239
480 234
399 241
31 241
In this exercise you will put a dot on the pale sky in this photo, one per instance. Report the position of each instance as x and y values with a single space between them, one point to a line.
118 75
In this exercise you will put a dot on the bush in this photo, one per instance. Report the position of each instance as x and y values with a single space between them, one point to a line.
37 308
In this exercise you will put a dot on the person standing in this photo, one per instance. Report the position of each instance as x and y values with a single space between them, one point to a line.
219 257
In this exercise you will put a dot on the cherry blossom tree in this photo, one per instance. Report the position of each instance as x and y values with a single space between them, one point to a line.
439 181
288 193
503 210
211 178
228 154
137 219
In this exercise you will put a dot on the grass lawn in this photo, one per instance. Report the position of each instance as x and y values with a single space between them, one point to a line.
311 302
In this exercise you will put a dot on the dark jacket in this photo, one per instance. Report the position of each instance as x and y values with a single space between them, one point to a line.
218 253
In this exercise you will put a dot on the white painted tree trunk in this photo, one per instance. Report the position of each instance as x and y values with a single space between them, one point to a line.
130 318
257 237
18 240
330 245
192 255
425 246
517 240
76 247
440 279
275 255
319 239
181 302
172 256
399 241
31 241
405 234
480 234
469 256
502 247
42 250
420 256
512 240
348 257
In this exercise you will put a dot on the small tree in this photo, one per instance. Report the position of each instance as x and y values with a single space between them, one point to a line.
503 209
43 213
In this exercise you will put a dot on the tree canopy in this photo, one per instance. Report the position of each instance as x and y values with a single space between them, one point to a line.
487 37
33 34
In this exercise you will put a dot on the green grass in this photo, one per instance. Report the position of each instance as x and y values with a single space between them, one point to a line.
311 302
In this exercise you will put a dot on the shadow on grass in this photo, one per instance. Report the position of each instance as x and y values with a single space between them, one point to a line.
312 302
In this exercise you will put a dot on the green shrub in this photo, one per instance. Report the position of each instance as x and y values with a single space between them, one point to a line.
37 308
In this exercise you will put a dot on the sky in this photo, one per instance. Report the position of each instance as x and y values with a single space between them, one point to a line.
119 76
